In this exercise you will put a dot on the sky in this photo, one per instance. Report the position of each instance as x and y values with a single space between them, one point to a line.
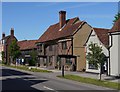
31 19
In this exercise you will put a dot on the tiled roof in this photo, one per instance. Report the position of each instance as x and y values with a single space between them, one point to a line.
102 35
54 32
7 37
27 44
116 26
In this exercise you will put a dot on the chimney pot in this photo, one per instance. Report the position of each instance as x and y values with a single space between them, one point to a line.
3 35
12 32
62 18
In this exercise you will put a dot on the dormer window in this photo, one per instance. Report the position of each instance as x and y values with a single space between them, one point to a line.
93 35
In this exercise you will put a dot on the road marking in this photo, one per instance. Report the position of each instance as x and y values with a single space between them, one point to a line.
48 88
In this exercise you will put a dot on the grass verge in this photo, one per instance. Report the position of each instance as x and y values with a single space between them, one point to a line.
92 81
27 69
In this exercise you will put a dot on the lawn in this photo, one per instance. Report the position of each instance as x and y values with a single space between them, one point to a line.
92 81
29 69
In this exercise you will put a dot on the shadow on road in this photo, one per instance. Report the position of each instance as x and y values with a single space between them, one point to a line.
10 72
23 83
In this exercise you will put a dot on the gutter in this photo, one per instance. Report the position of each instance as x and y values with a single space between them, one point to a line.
109 52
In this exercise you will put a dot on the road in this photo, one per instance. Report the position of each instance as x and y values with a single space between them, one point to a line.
19 80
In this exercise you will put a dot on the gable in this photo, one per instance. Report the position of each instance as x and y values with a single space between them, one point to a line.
101 35
81 35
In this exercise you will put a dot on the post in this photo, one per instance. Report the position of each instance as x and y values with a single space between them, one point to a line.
100 71
62 70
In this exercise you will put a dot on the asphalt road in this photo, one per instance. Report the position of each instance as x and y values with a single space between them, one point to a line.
17 80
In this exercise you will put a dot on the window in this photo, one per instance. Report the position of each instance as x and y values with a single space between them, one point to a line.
40 47
64 45
92 66
50 48
68 61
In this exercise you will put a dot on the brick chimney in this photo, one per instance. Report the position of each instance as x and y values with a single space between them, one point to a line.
62 18
3 35
12 31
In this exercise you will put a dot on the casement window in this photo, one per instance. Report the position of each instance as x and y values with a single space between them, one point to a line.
68 61
64 45
50 48
92 66
40 48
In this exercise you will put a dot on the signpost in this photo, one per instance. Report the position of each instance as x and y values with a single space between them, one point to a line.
63 70
63 63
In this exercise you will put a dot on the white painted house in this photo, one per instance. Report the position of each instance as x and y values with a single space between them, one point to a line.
100 37
114 40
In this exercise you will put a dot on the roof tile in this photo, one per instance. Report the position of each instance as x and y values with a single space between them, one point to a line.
27 44
102 35
54 31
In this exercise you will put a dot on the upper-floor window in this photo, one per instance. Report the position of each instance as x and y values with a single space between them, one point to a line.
64 45
40 48
50 48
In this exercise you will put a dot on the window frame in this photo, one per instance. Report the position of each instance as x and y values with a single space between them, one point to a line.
64 45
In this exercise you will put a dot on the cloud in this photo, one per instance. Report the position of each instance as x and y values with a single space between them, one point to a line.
46 5
81 5
97 16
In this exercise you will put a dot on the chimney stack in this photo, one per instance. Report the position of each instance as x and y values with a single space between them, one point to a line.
12 31
62 18
3 35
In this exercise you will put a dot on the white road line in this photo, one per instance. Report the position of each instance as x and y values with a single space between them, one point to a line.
48 88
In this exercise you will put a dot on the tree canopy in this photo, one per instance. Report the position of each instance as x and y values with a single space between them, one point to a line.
116 17
14 50
95 56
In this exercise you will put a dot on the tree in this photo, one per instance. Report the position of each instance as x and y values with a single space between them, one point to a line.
95 56
33 59
116 17
3 56
14 51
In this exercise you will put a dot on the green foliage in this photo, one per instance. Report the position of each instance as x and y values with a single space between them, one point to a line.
33 59
26 68
116 17
3 55
95 56
14 50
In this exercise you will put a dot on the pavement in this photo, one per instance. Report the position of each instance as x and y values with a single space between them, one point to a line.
85 74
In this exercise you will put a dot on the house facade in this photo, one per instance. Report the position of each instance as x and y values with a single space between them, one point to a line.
6 41
27 47
62 44
114 50
100 37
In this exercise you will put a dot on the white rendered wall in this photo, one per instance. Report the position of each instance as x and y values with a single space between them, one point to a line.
94 39
114 57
